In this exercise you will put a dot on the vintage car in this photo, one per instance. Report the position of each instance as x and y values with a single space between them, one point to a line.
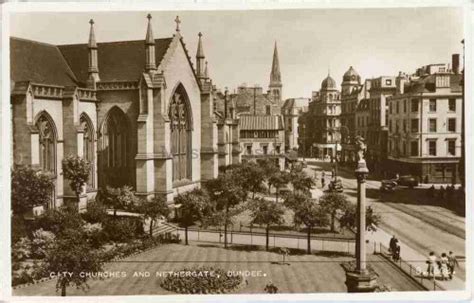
407 180
388 185
336 186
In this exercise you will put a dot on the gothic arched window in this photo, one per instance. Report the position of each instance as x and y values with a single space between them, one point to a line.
88 147
180 135
47 143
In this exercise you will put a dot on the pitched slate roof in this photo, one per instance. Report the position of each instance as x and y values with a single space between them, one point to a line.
117 61
256 122
40 63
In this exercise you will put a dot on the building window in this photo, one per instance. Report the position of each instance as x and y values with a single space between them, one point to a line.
180 125
414 125
268 110
432 147
451 124
432 105
452 105
388 82
265 149
398 107
414 148
88 147
404 126
414 105
451 147
47 143
278 149
432 125
249 149
404 106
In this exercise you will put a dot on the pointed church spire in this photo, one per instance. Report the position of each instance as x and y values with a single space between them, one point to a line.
200 58
93 68
149 47
275 86
275 77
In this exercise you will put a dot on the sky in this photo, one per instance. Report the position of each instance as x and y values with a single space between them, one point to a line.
311 42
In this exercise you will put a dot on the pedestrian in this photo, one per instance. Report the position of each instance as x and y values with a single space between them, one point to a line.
323 181
392 244
452 264
443 268
271 288
431 264
397 252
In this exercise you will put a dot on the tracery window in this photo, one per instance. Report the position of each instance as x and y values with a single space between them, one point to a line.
47 144
180 136
88 148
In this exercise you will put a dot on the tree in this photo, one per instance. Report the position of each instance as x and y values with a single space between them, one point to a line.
349 217
118 198
301 182
70 255
76 170
30 188
58 220
252 177
269 169
294 200
278 180
266 212
331 203
226 193
310 214
152 209
194 205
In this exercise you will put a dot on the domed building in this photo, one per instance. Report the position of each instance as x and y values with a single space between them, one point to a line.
350 81
323 121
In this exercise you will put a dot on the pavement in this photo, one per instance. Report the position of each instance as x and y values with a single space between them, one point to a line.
414 257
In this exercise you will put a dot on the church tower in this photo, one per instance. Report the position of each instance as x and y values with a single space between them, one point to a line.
275 86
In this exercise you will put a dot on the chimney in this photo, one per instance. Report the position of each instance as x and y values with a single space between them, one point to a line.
455 63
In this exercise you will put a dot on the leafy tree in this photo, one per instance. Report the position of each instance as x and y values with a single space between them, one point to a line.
194 207
76 170
57 220
118 198
349 217
301 182
252 177
226 193
266 212
310 214
30 188
294 200
278 180
72 253
331 203
153 209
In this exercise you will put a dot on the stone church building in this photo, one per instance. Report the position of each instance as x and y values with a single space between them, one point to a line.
139 111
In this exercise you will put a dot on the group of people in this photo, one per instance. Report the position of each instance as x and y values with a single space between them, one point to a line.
442 193
446 265
394 248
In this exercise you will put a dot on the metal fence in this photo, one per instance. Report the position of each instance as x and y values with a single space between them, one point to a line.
414 269
330 244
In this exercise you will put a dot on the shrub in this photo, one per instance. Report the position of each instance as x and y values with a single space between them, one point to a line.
96 212
41 243
21 250
121 229
198 282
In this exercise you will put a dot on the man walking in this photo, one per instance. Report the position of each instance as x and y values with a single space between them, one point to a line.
392 245
452 264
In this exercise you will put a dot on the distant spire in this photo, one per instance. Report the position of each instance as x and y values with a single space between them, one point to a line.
149 32
275 76
200 51
92 42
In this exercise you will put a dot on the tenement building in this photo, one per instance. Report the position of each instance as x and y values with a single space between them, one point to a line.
261 128
291 110
139 111
323 121
424 124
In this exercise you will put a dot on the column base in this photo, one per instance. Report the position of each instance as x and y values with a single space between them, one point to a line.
361 281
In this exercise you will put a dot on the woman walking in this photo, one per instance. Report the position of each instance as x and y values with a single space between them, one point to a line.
444 266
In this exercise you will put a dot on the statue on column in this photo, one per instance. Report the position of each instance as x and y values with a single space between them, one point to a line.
361 148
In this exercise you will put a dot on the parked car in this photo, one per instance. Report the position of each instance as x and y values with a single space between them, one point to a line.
407 180
388 185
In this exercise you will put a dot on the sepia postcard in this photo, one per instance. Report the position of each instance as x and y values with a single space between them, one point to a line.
249 152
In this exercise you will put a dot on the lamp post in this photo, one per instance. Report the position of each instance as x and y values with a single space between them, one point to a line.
361 279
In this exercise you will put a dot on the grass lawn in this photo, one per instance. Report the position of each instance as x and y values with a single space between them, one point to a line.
306 273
